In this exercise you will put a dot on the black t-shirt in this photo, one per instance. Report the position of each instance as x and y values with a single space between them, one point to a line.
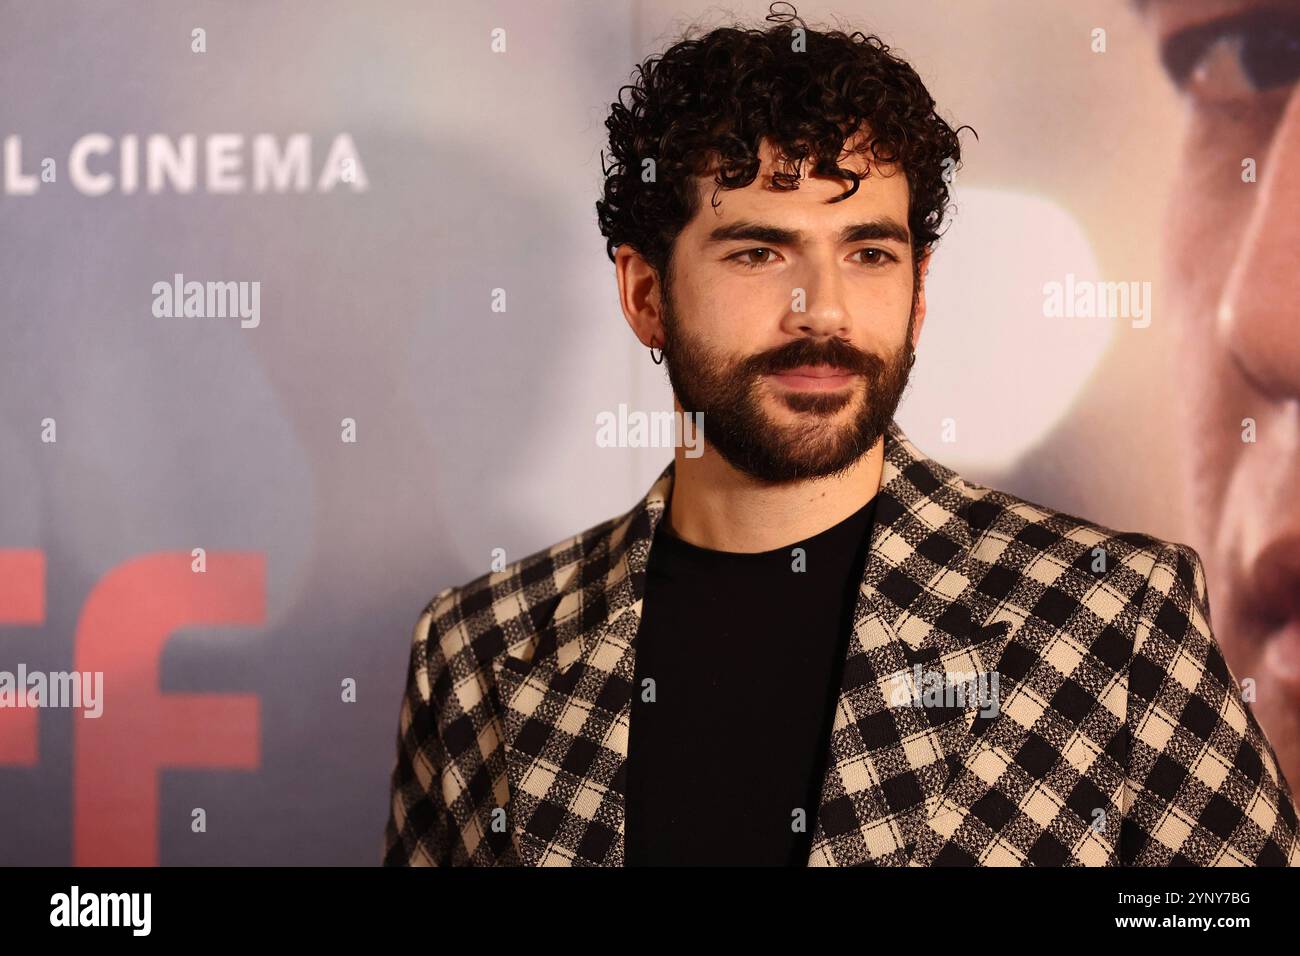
746 654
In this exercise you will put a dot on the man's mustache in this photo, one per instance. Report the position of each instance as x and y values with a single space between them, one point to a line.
834 352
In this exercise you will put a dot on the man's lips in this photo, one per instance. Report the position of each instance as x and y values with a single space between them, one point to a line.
1275 576
815 377
1282 655
1274 597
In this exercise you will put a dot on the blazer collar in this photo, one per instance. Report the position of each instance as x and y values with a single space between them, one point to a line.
890 769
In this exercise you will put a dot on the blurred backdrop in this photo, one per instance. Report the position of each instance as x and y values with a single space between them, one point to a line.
374 172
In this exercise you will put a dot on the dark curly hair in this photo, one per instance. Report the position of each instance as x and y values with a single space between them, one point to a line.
712 100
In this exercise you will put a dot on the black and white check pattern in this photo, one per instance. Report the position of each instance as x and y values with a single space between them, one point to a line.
1120 736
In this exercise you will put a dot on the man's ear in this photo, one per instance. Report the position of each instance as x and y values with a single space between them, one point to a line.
923 266
640 293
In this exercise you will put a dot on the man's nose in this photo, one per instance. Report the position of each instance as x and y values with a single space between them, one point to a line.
1259 314
824 308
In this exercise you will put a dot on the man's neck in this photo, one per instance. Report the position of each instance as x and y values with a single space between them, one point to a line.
715 506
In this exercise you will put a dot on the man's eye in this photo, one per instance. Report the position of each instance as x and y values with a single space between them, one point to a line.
740 257
1233 59
881 257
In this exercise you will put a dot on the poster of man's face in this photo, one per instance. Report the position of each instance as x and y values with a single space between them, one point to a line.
1231 257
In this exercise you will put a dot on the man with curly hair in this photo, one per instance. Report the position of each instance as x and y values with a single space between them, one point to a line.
812 644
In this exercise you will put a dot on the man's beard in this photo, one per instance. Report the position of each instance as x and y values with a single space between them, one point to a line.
737 427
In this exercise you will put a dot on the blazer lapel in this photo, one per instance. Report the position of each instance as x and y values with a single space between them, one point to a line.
890 762
566 699
565 691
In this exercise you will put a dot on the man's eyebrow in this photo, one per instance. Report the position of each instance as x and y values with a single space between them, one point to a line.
1141 7
882 228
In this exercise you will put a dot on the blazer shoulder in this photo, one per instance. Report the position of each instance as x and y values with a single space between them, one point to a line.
486 616
1031 526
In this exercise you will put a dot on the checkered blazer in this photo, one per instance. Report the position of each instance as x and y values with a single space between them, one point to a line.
1120 738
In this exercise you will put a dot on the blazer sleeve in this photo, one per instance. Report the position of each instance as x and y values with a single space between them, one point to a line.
419 826
1202 784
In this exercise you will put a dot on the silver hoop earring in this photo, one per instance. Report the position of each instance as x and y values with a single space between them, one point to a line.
912 360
